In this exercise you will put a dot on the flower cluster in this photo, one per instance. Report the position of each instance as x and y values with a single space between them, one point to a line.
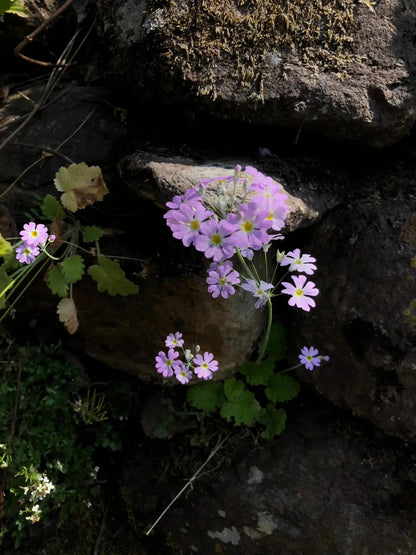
234 217
171 364
39 487
34 239
222 223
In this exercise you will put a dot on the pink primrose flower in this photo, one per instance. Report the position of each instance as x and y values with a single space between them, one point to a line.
205 365
259 291
33 234
183 373
252 226
221 279
298 262
301 292
27 253
166 364
185 223
216 240
174 340
310 357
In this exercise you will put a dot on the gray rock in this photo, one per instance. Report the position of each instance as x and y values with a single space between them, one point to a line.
158 178
365 317
344 69
328 485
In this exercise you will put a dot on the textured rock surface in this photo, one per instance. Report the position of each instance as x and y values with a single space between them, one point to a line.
327 486
342 68
365 316
158 178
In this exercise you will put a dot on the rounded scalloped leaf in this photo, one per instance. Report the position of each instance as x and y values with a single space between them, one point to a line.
81 186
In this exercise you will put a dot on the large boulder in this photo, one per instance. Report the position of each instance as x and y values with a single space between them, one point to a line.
174 295
366 311
342 68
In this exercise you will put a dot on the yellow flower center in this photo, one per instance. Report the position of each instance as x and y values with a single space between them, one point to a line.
299 292
34 233
223 280
216 239
194 225
247 226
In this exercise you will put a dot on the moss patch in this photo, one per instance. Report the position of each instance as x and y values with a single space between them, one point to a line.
196 36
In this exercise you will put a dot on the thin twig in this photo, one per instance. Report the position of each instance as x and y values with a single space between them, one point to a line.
54 77
33 164
44 149
190 481
41 27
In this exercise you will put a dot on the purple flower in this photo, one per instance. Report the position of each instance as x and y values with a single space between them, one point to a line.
183 373
33 234
275 209
174 340
298 262
166 365
252 226
27 253
185 223
190 197
300 292
221 279
258 291
216 239
311 357
205 365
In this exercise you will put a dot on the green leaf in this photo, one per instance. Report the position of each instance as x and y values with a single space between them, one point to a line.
282 388
244 408
274 420
10 262
257 374
206 396
5 5
276 347
73 268
5 280
52 208
57 282
92 233
111 279
233 388
13 6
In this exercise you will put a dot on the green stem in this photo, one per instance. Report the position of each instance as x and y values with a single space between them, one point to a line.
266 336
291 368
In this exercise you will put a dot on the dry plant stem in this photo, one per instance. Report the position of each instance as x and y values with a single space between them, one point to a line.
54 78
45 149
54 151
41 27
190 481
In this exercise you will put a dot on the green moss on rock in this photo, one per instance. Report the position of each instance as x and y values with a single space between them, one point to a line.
197 36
